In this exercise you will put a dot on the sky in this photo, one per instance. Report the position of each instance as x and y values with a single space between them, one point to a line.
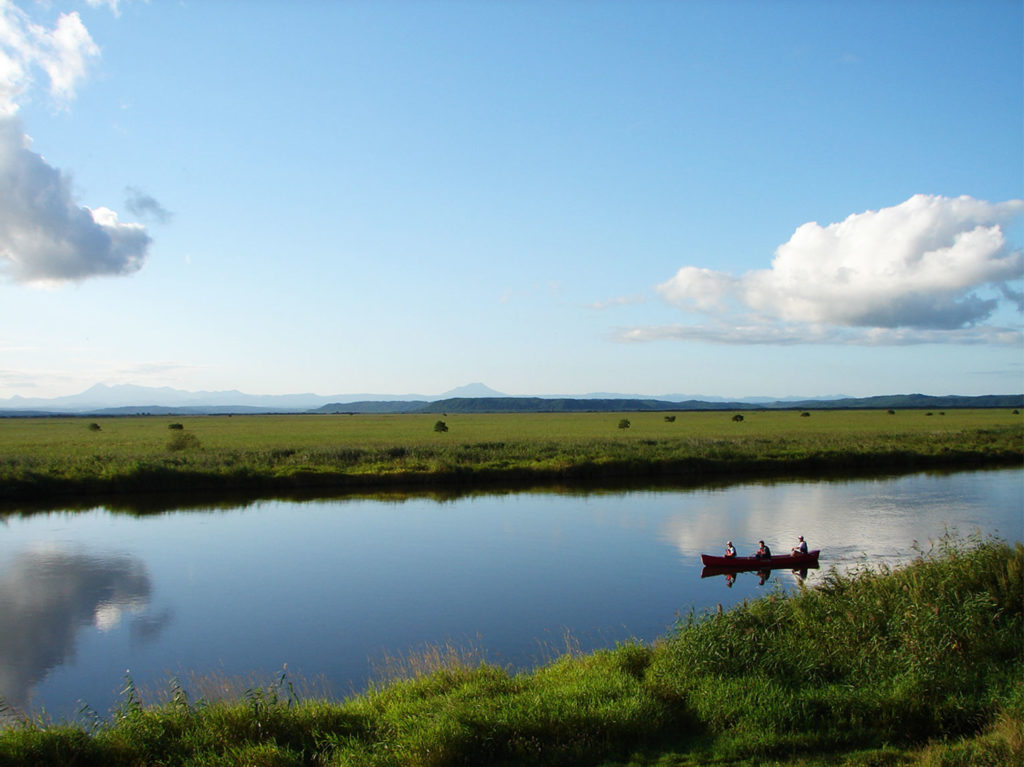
648 197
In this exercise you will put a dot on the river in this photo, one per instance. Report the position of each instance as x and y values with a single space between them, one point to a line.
337 590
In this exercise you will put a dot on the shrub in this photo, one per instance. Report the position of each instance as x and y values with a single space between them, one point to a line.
670 419
624 423
737 418
440 426
94 426
175 426
183 441
805 414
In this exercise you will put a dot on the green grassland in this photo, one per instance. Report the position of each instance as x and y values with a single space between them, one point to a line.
42 457
920 666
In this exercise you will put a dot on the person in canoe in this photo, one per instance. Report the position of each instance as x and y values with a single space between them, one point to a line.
730 550
763 552
801 548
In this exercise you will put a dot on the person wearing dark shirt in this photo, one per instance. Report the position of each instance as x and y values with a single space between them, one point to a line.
763 552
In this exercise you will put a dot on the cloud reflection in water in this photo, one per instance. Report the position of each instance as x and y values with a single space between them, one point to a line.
852 522
47 596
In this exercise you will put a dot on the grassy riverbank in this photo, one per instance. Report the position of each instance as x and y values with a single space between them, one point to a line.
46 457
921 666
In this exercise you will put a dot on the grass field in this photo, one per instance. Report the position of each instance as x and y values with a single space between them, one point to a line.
48 456
921 666
140 434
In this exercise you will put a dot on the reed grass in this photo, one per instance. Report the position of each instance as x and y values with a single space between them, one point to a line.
41 458
918 666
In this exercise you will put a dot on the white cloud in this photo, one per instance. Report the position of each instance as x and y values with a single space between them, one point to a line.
792 334
111 4
67 53
45 236
703 290
929 268
63 53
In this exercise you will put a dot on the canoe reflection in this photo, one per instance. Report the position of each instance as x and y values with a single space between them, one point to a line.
763 573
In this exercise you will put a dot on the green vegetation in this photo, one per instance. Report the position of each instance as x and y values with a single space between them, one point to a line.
920 666
47 457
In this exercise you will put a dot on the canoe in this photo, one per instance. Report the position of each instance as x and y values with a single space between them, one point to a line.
796 561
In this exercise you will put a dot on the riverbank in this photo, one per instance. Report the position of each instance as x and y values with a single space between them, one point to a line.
52 458
918 666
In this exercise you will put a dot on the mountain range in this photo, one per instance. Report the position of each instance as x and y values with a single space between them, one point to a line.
125 399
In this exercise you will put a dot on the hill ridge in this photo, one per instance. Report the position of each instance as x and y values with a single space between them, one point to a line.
580 405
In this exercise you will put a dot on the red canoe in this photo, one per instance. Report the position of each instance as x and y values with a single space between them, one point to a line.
796 561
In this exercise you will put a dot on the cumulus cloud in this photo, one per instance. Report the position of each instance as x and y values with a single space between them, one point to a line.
45 236
929 268
62 53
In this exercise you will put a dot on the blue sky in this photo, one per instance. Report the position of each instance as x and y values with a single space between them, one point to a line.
717 198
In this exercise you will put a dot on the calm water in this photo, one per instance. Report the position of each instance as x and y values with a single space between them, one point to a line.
331 588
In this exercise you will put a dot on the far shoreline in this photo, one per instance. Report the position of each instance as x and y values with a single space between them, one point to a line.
56 460
186 487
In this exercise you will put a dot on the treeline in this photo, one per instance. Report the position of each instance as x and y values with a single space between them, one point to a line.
583 405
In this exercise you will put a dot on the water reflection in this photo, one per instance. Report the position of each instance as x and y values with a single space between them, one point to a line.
47 596
323 586
145 504
763 574
873 521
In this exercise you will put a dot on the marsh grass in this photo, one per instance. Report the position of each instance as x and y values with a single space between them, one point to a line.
917 666
885 656
41 457
426 660
218 687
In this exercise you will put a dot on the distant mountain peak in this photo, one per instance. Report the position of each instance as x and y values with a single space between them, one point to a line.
474 397
472 390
